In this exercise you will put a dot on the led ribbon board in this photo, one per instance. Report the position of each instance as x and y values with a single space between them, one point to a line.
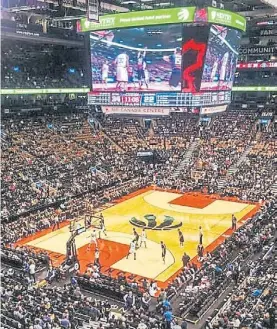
44 91
165 16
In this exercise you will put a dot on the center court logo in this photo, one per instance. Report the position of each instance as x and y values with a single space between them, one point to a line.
183 14
151 222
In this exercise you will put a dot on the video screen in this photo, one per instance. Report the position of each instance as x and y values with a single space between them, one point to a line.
137 59
194 45
221 58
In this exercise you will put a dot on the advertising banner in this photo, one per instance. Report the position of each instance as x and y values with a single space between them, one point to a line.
268 33
157 111
44 91
255 65
267 88
212 110
226 18
164 16
258 50
267 114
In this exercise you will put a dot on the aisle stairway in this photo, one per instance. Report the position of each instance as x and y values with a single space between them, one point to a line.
222 182
234 167
273 187
186 158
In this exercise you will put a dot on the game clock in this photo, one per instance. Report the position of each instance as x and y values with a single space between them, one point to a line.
160 99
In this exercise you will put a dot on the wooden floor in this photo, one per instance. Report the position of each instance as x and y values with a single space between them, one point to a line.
162 212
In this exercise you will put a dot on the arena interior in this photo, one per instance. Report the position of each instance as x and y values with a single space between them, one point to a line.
121 215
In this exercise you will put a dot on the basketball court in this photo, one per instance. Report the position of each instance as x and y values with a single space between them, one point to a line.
161 213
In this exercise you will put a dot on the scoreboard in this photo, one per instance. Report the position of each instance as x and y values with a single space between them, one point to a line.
159 99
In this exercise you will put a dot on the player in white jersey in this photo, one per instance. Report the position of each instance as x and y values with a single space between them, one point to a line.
143 238
132 250
214 71
224 66
93 239
122 63
105 73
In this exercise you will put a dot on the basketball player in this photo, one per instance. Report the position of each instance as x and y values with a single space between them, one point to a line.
181 238
93 239
56 223
163 246
105 73
142 67
224 64
102 226
176 62
214 71
136 237
143 238
132 250
131 75
122 63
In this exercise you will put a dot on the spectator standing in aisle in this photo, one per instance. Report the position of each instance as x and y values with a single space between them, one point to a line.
168 316
32 270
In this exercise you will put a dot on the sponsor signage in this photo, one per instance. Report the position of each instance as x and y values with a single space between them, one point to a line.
267 114
255 65
44 91
162 16
169 99
212 110
267 88
258 50
144 154
262 23
156 111
268 33
228 18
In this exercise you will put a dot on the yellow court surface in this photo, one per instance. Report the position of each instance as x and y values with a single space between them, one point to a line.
215 220
161 213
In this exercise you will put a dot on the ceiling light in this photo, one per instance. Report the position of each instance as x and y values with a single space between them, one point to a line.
128 2
162 4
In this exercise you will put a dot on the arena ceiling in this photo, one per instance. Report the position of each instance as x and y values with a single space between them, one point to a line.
253 10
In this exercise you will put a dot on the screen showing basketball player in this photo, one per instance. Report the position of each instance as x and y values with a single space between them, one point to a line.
137 59
221 58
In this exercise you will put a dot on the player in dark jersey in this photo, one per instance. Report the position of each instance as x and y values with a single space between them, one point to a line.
176 62
181 238
131 75
102 226
136 237
163 246
141 64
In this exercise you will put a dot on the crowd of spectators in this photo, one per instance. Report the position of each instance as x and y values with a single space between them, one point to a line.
55 166
31 65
